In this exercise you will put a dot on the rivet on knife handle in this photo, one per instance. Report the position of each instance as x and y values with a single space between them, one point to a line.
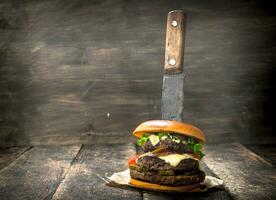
175 41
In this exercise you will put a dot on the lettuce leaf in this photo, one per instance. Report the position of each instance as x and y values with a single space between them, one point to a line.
143 139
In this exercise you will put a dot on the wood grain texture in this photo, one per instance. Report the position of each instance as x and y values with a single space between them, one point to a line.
267 152
85 180
216 195
245 174
8 155
65 65
37 173
175 42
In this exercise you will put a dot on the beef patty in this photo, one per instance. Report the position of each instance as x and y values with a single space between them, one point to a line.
167 144
155 177
153 163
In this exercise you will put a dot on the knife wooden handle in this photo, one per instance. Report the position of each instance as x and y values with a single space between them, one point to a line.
175 41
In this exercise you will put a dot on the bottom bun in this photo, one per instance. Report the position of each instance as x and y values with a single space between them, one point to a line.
199 187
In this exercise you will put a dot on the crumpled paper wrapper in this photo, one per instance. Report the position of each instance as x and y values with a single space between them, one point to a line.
122 179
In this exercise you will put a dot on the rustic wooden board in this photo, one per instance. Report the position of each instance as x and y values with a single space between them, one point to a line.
266 151
85 138
71 63
85 180
216 195
8 155
37 173
246 175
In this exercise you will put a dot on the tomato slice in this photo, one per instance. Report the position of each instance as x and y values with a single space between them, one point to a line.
132 161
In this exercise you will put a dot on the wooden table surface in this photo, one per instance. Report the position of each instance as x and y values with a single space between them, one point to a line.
76 172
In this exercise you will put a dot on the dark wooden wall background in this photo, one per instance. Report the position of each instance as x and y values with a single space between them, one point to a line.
64 65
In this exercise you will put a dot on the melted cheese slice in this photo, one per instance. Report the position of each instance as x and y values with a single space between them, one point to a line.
175 159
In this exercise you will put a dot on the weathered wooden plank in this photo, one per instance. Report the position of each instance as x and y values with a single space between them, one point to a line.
265 151
85 138
91 137
85 180
37 173
57 67
246 175
8 155
216 195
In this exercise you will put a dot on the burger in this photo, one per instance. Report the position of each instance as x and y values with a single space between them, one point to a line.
169 161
